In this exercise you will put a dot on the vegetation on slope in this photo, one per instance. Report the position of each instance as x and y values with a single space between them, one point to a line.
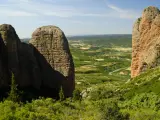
145 83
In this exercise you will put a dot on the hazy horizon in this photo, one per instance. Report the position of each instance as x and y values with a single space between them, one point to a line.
87 35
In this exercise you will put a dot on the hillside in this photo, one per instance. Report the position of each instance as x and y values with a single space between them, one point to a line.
147 82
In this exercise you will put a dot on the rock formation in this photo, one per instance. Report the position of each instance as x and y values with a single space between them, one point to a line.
51 42
4 72
41 67
146 41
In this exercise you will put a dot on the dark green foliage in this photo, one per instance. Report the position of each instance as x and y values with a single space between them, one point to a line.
144 100
13 94
139 20
77 95
111 111
61 94
101 93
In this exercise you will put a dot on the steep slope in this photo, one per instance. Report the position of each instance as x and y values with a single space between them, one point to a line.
147 82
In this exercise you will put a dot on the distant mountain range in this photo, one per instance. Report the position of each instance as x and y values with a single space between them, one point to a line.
26 40
123 40
99 36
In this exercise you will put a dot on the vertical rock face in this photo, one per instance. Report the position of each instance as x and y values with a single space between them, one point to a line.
146 41
4 73
42 66
51 42
12 43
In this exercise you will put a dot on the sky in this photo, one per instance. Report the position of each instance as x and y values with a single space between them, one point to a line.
74 17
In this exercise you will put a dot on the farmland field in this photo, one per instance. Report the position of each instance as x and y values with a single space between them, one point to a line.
102 60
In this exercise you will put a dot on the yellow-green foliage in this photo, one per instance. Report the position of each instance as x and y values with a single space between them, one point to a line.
49 109
13 94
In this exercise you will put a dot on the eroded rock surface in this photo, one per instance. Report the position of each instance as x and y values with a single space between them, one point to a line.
4 72
51 42
146 41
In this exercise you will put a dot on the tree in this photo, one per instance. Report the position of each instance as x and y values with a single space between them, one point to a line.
61 94
13 94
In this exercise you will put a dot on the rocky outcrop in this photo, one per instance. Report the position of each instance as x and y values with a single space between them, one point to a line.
12 44
146 41
51 42
42 66
4 72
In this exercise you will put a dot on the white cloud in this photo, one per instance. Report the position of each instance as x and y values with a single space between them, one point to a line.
77 22
44 22
116 8
11 12
21 13
18 1
123 13
45 8
16 13
33 8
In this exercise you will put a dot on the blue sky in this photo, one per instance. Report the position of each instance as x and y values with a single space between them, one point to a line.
74 17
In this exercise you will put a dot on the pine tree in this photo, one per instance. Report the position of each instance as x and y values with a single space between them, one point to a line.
13 94
61 94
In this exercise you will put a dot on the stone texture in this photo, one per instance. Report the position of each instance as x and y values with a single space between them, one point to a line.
42 66
146 41
12 43
51 42
4 73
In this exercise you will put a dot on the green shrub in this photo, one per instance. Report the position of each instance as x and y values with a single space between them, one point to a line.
77 95
13 94
102 92
109 110
144 101
61 94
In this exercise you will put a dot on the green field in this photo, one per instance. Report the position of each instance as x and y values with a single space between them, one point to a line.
99 61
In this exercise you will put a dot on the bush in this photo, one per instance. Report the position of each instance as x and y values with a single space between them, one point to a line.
77 95
102 92
143 101
109 110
